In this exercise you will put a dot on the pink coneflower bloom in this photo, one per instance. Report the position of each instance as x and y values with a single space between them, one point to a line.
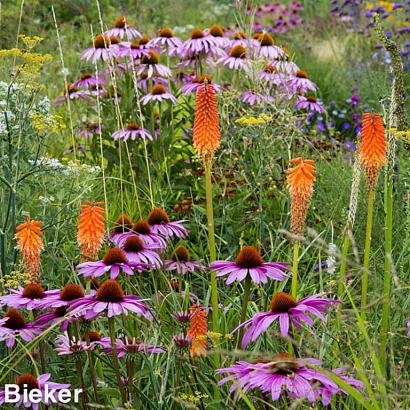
267 48
252 98
30 297
110 299
130 345
70 292
192 85
150 65
271 75
88 80
28 382
88 130
13 325
72 93
182 317
408 327
217 36
142 230
134 50
309 103
158 94
249 262
239 38
101 50
326 391
180 261
287 310
283 65
283 374
114 261
160 224
167 39
144 83
122 224
122 29
199 43
300 83
138 252
236 59
58 315
132 131
65 345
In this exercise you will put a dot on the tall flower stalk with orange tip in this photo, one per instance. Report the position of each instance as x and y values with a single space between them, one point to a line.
300 182
206 140
90 231
30 244
197 331
372 156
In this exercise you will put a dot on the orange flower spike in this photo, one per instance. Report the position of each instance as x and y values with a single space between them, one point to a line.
372 148
207 135
91 229
300 182
198 330
30 244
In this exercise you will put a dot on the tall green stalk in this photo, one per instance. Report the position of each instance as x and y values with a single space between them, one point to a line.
366 259
211 244
295 269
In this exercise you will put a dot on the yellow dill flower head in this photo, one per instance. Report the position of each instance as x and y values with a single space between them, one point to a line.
30 42
246 120
49 123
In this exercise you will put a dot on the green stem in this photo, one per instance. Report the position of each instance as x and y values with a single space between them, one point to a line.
387 273
111 328
91 366
366 259
245 300
295 269
211 243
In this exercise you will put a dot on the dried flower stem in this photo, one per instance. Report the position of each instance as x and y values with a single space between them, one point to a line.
366 259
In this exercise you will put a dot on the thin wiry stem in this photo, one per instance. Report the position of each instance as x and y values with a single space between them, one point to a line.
295 269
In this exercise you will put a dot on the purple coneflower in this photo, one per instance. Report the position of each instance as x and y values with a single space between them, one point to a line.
182 317
287 310
122 29
30 297
101 50
150 65
70 292
300 82
158 93
272 76
130 345
167 39
114 261
122 224
267 48
249 262
140 253
65 345
284 66
59 315
252 98
72 93
110 299
408 327
309 103
28 382
182 341
13 325
199 43
192 85
142 230
180 261
160 224
283 374
217 36
88 129
239 38
88 80
132 131
134 50
236 59
144 82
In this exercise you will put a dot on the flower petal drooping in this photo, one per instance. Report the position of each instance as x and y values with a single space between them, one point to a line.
207 135
90 230
300 182
30 244
372 148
